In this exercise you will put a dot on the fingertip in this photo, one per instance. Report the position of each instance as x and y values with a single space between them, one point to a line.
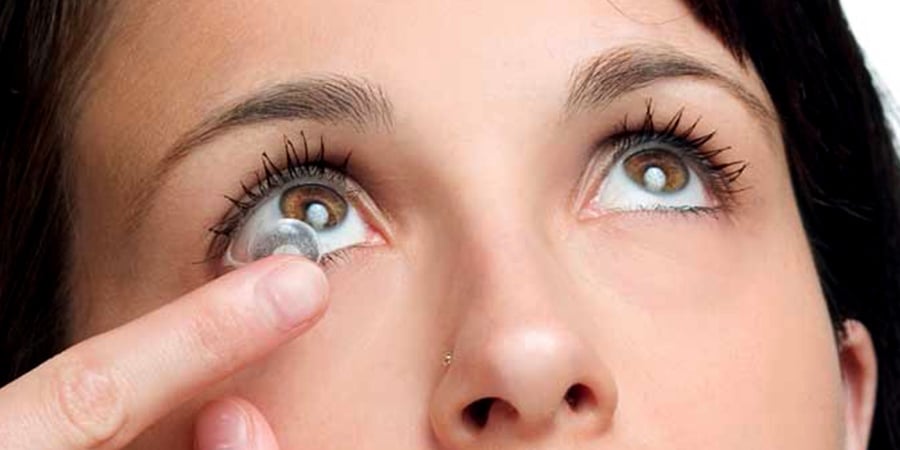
233 423
296 290
262 435
220 424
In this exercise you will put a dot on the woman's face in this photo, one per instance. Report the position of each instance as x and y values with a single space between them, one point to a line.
607 279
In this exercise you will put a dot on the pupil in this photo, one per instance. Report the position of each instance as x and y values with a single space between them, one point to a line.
317 215
655 179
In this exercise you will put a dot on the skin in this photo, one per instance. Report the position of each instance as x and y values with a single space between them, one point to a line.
682 331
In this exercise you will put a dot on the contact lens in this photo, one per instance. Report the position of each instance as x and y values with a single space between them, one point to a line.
284 236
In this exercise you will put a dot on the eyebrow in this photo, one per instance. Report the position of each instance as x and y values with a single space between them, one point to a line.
336 99
604 78
331 99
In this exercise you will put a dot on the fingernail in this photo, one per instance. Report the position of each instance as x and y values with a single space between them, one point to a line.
223 427
295 290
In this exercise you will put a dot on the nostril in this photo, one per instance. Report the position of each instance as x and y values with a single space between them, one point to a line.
579 397
477 413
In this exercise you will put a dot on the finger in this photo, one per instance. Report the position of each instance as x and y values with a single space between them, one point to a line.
102 392
235 424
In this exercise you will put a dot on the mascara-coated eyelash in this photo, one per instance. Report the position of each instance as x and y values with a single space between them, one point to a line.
664 167
320 173
722 175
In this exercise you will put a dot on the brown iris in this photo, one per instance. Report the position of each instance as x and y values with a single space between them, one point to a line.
296 201
657 170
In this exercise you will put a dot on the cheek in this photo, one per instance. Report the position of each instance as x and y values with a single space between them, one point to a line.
713 330
362 364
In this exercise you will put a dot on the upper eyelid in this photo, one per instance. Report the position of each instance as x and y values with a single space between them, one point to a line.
706 160
698 166
288 174
283 167
687 137
263 190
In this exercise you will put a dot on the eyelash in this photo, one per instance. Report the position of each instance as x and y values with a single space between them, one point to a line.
721 176
271 177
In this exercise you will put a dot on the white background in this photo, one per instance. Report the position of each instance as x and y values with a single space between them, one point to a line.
874 22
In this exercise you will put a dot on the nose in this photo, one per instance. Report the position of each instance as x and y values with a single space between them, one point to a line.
521 372
522 386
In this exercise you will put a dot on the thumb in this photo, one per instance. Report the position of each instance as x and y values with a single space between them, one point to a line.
235 424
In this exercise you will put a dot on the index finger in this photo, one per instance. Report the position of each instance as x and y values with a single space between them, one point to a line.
104 391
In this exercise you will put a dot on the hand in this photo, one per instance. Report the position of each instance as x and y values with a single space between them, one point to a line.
233 423
102 392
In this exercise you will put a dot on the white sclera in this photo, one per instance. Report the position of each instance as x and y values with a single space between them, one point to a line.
619 192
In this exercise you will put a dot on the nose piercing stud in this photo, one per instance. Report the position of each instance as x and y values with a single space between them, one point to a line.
448 358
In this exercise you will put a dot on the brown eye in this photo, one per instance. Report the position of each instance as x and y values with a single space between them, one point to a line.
657 170
319 206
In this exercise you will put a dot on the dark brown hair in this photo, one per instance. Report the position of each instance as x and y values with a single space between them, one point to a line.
843 166
45 47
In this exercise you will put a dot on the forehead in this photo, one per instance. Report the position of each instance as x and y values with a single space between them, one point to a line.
169 63
357 34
